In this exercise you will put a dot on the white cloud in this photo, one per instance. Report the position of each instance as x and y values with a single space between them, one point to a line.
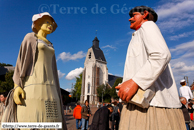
170 9
74 73
185 34
175 15
110 73
183 53
130 33
182 67
183 47
183 61
60 74
66 56
109 46
68 89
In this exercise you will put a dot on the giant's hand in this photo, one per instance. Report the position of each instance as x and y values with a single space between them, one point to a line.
127 90
16 96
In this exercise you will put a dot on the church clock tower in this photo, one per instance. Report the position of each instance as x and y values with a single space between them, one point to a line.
95 73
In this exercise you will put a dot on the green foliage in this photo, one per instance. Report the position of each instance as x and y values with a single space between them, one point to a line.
76 92
105 91
113 90
4 64
8 84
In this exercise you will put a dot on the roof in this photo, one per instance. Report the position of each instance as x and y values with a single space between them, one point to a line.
95 39
112 79
98 53
64 92
10 68
3 70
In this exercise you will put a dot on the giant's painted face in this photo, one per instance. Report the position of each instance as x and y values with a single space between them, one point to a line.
47 26
136 20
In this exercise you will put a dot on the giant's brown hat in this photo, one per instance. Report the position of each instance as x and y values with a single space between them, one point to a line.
142 9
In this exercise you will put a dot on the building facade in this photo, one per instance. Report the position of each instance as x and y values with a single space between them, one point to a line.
95 73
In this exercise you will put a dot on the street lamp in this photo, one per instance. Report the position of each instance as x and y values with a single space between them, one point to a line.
102 97
186 79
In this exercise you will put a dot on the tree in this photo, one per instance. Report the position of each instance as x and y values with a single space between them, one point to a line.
113 90
76 92
8 84
105 91
4 64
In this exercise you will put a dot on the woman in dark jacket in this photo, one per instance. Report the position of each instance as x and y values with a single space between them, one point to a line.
101 118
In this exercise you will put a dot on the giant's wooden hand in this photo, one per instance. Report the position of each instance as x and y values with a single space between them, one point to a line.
127 90
16 96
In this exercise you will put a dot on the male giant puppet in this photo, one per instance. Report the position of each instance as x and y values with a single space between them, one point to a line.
147 67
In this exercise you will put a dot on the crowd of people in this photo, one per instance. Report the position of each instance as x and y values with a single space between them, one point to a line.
186 98
107 113
110 113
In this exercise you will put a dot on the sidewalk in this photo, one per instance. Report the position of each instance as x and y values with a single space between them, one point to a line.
71 122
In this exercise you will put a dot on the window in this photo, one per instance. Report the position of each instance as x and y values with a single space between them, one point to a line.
88 87
89 55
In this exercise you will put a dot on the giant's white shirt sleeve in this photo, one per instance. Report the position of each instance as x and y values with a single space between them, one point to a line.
158 56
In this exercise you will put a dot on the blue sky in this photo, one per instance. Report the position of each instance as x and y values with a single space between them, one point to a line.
78 21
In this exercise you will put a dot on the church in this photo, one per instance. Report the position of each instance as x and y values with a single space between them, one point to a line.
95 73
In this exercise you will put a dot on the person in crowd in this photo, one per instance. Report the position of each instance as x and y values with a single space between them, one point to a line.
99 104
101 118
184 109
147 68
120 105
189 105
185 91
77 115
70 109
3 97
115 116
85 114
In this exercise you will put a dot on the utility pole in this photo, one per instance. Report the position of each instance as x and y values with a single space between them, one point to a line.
71 92
186 79
76 97
102 97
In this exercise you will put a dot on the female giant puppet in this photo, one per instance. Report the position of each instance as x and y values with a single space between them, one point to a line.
37 92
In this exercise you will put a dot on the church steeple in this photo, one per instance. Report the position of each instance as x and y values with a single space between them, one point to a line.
96 42
94 74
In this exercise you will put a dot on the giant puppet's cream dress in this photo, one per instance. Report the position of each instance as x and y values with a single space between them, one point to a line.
42 103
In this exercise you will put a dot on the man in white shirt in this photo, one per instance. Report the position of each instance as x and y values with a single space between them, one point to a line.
185 91
147 67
